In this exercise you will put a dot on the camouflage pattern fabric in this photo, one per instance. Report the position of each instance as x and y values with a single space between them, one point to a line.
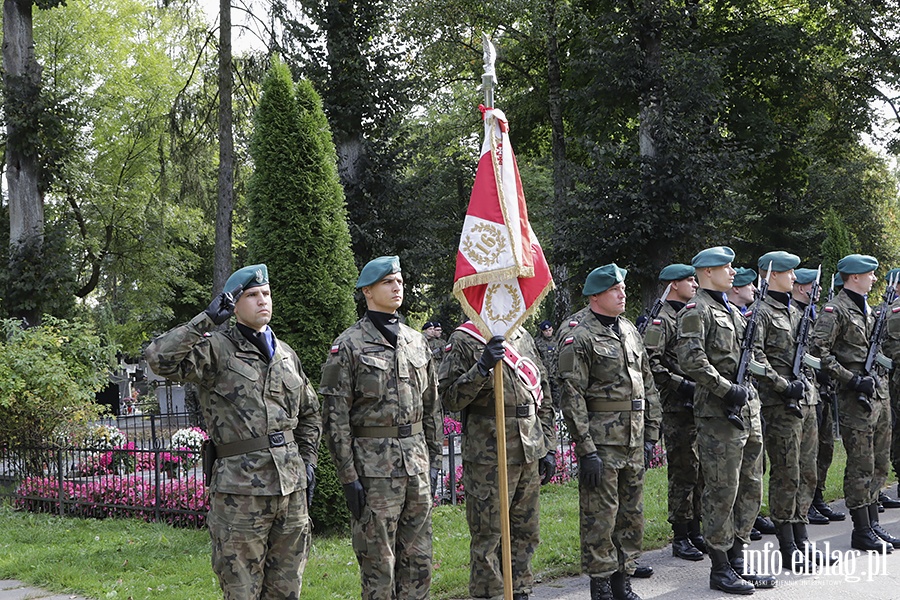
709 349
528 439
258 499
809 451
548 351
436 345
891 348
596 366
659 340
260 544
841 341
483 516
782 443
366 382
393 538
825 451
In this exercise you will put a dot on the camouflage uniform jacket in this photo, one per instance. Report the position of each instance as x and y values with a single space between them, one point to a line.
366 382
659 340
891 344
774 347
597 366
548 350
436 345
244 395
841 340
709 350
463 386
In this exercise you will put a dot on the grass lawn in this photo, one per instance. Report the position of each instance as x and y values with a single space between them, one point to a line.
130 559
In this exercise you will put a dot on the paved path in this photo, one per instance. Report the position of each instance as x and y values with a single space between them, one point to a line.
854 578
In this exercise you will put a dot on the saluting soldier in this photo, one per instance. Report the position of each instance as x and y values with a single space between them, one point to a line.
612 411
729 434
383 428
819 512
842 336
467 385
263 418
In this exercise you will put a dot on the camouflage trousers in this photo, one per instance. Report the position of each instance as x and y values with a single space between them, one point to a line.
259 544
392 538
683 472
825 413
611 519
483 517
895 428
790 444
731 461
868 456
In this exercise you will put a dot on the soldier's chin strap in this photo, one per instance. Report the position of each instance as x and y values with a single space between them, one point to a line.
526 371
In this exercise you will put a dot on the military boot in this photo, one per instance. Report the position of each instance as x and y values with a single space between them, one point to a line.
791 557
697 537
815 517
682 547
620 584
876 527
862 537
813 556
888 502
764 525
722 576
600 589
736 558
520 596
824 509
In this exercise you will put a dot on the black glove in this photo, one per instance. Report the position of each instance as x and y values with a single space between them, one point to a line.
547 467
794 390
590 469
863 385
734 400
434 473
649 448
493 353
686 389
356 498
822 378
222 306
310 484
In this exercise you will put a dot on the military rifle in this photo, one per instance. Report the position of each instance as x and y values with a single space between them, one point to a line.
801 357
744 366
654 310
830 291
874 357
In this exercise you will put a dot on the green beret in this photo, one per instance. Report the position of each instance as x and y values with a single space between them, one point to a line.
248 277
743 277
838 282
676 272
603 278
805 276
892 275
377 269
781 261
713 257
854 264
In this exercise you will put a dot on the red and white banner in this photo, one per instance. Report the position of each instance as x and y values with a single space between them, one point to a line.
501 273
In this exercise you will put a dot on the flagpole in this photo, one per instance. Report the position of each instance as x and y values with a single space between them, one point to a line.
488 79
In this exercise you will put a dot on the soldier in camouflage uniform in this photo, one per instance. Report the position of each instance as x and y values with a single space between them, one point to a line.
548 350
729 434
891 348
679 432
842 335
383 428
612 411
432 331
264 420
467 385
788 407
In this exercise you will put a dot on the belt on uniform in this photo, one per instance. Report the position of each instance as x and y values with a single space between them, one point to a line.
625 405
520 412
273 440
401 431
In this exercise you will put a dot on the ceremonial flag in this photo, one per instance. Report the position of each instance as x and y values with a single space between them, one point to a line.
501 273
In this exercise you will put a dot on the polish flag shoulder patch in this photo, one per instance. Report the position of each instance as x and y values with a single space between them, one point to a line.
657 321
690 305
573 323
448 347
828 309
335 349
748 314
895 309
568 340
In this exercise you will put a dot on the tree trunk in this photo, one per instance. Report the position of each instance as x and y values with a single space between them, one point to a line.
22 82
222 266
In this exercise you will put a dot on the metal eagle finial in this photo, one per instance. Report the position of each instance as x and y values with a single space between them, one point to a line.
489 79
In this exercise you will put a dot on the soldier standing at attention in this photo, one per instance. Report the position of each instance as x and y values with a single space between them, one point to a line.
892 350
788 408
729 435
677 395
467 385
383 428
841 340
612 411
743 292
432 331
548 351
264 420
